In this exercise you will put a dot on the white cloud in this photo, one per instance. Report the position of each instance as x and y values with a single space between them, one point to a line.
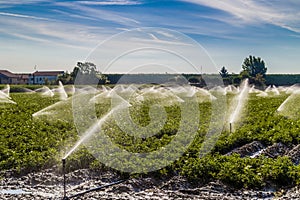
100 14
284 14
10 3
54 33
73 15
106 3
23 16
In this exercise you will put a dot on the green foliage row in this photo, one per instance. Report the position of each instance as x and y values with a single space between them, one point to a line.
243 172
261 122
20 88
30 144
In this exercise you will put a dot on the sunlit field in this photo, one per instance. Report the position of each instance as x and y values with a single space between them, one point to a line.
257 147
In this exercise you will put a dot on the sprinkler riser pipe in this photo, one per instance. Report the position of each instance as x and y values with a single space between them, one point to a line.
64 173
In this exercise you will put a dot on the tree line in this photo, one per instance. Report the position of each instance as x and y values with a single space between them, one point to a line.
253 68
86 71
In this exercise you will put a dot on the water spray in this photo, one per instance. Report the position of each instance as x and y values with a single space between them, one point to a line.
238 103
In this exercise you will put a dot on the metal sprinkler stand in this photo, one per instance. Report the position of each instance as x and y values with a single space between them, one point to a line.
64 172
65 197
230 127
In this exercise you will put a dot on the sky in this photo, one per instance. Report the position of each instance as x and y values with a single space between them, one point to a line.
56 34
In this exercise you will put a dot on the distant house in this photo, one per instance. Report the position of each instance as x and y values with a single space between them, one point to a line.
6 77
23 79
42 77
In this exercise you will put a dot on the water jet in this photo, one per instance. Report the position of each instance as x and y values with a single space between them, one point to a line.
238 103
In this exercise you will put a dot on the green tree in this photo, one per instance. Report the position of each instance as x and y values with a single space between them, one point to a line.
87 68
87 73
255 70
74 73
65 78
245 74
194 80
223 72
259 81
236 80
197 81
102 79
254 66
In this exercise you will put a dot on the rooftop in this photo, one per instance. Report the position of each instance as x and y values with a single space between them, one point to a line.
8 74
48 73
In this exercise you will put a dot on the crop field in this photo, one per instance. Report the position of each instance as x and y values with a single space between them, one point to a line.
38 130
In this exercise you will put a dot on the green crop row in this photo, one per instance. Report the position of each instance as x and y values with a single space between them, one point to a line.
31 144
26 143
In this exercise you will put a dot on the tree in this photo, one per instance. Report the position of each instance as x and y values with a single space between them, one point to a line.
74 73
259 81
194 80
254 66
86 73
102 79
245 74
223 72
65 78
255 70
87 68
236 80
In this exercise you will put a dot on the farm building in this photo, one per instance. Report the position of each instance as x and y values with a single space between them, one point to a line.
23 79
42 77
6 77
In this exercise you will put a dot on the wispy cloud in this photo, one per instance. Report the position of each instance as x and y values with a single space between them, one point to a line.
100 14
284 14
73 15
109 3
23 16
158 37
53 33
10 3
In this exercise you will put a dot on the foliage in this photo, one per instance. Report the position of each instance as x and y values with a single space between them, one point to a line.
20 88
254 69
254 66
223 72
86 68
28 144
259 81
65 78
87 73
242 172
80 160
236 81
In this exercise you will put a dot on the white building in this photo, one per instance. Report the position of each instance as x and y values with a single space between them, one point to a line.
42 77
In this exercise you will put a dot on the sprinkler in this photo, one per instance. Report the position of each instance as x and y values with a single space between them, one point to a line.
65 197
230 127
64 172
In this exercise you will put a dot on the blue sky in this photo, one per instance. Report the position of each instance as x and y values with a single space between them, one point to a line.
55 34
